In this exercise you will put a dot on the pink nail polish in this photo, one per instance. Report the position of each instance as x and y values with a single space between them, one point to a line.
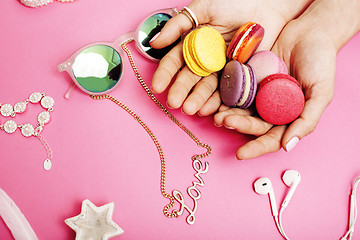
154 37
291 144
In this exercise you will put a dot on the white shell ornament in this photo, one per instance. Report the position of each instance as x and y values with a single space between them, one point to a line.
40 3
47 164
47 102
27 130
35 97
6 110
44 117
20 107
36 3
10 126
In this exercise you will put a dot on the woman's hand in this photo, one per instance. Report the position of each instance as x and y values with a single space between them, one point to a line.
308 45
311 57
197 94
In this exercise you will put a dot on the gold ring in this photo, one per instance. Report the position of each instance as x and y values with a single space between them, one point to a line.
191 16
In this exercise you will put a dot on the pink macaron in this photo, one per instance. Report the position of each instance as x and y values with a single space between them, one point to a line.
279 99
238 85
266 63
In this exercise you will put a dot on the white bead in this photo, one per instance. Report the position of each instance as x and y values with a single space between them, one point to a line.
6 110
27 130
44 117
35 97
47 102
47 164
10 126
20 107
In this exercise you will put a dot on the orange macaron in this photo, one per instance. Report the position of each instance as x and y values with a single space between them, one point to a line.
245 41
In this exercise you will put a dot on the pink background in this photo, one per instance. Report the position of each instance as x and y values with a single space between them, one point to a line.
102 154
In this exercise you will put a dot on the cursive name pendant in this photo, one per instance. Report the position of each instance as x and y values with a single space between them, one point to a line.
28 130
199 167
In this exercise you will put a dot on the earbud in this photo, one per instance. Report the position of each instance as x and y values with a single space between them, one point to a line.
292 179
263 186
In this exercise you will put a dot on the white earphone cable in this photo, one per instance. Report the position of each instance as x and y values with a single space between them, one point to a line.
353 212
281 229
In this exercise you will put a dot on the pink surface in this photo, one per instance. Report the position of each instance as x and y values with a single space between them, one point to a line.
102 154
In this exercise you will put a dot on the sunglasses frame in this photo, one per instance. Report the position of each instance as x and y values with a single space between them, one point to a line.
66 66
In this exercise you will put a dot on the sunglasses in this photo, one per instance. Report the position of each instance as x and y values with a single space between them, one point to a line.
97 68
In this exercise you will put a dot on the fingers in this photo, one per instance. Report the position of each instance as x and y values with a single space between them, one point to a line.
267 143
202 91
225 111
211 105
242 121
173 29
181 87
309 118
168 67
269 139
317 80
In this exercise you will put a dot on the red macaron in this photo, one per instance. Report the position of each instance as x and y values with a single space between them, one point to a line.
280 99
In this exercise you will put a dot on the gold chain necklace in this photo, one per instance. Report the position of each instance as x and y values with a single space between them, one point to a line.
199 167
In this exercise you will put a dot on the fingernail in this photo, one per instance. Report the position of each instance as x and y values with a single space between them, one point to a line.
168 105
154 37
231 128
217 125
291 144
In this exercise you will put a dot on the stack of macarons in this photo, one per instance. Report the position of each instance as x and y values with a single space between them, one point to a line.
247 76
238 81
235 83
204 51
279 97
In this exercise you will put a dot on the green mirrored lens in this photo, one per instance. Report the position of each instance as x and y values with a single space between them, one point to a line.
97 68
149 29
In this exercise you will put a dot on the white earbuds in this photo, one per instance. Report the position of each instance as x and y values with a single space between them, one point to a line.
263 186
292 179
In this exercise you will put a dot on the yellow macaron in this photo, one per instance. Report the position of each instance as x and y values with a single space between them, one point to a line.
190 59
204 51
